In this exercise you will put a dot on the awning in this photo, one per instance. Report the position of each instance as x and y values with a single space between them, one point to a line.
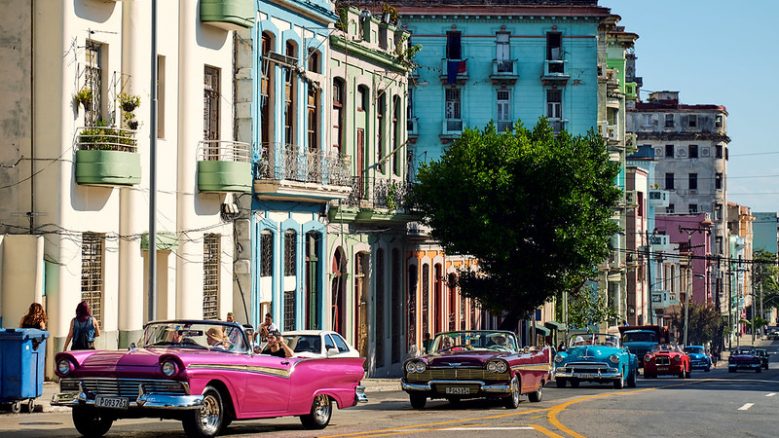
554 325
540 329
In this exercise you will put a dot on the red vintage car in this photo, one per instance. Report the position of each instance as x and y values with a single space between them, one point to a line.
667 359
476 364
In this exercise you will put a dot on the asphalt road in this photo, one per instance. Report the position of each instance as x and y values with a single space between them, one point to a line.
717 403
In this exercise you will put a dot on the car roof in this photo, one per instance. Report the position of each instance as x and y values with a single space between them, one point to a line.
308 332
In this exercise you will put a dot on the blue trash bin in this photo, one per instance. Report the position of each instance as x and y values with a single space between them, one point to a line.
22 362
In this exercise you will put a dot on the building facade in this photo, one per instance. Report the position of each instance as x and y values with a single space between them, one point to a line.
79 133
766 231
741 237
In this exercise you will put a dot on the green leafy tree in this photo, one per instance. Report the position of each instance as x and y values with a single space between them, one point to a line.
766 277
535 208
588 307
705 324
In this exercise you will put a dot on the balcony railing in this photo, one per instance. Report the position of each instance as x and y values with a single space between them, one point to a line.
459 66
452 127
380 193
558 125
412 125
504 70
105 138
554 70
107 156
224 166
310 166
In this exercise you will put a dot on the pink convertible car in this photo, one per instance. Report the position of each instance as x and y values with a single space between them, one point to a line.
204 374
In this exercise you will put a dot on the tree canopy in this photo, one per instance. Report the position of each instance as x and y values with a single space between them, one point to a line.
534 207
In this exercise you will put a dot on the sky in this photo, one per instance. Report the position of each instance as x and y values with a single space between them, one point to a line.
722 52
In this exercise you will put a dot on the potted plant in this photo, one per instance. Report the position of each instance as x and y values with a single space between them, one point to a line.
132 124
129 102
84 97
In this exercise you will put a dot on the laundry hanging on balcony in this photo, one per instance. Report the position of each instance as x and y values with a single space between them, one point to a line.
453 68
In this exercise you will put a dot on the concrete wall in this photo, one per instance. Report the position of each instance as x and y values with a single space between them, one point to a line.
21 276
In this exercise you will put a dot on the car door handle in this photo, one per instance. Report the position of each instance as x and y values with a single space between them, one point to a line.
285 362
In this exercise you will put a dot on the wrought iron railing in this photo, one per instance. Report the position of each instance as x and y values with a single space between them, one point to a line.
308 166
379 193
106 138
223 150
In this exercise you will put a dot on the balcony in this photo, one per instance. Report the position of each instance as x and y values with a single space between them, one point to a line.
459 71
659 198
412 126
107 156
289 173
378 199
662 299
504 71
631 90
224 166
555 71
452 128
227 14
660 242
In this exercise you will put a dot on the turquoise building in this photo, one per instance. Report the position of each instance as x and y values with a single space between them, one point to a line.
765 231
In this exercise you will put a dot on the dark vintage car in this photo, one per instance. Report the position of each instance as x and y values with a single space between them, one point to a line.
476 364
763 353
667 359
744 359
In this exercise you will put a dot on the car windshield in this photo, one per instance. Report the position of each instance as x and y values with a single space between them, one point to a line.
478 340
694 350
665 348
639 337
214 336
744 351
304 343
593 339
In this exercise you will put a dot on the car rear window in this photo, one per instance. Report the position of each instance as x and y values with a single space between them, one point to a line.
339 341
307 344
329 343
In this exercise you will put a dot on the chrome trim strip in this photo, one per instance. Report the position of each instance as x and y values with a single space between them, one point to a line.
498 388
145 401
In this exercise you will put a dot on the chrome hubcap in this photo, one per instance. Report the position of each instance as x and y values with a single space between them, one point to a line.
321 409
515 391
209 414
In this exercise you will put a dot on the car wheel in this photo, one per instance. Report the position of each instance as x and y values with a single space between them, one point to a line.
207 421
90 422
537 396
512 401
632 379
574 383
560 382
417 401
321 411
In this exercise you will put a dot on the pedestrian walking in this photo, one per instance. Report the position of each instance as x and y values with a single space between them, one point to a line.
35 318
84 328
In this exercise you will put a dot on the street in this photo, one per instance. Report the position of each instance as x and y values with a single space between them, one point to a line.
709 404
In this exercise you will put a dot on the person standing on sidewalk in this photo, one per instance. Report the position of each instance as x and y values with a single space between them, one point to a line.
84 328
35 318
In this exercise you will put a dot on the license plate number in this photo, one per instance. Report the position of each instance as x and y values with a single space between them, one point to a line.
458 390
111 402
586 375
662 368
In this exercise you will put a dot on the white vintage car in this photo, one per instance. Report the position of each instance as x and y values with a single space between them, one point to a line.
319 343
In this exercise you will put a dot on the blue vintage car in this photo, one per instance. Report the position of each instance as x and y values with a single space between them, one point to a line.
699 360
595 357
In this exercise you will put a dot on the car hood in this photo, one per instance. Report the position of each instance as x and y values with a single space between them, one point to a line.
744 357
595 353
463 358
697 356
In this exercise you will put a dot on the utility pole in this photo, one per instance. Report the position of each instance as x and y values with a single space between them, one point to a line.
730 306
649 277
152 289
754 312
687 297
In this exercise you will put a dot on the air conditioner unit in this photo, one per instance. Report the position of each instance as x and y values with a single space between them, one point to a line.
631 198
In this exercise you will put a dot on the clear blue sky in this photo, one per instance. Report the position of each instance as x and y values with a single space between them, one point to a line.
719 52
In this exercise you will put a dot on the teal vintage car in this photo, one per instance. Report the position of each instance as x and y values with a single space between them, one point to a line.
595 357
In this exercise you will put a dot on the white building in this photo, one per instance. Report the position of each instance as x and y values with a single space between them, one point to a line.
74 196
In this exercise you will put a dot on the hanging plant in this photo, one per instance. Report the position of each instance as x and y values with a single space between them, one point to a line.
129 102
132 124
84 97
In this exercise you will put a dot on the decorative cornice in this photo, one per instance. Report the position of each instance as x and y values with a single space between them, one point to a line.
356 49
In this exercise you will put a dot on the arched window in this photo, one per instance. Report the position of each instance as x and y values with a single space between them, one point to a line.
313 287
339 91
381 108
289 95
266 85
313 116
313 60
425 299
396 135
411 304
266 254
290 252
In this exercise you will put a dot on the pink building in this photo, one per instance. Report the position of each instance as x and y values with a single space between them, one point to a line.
692 232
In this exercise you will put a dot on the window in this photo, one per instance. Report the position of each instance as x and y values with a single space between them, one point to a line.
266 254
554 45
313 61
290 252
160 96
692 121
313 116
718 151
503 52
380 306
718 181
717 211
453 45
93 272
640 198
340 343
211 273
727 154
338 113
289 310
669 181
693 208
692 151
93 80
669 120
313 242
289 96
411 304
425 298
266 84
504 109
362 98
692 179
396 135
381 109
329 344
554 104
211 103
669 151
718 244
670 208
718 121
452 110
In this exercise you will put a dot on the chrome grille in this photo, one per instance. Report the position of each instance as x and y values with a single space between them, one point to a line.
122 387
662 360
588 367
455 373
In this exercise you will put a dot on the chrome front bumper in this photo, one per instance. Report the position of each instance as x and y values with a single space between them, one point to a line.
612 374
145 400
359 395
750 366
494 388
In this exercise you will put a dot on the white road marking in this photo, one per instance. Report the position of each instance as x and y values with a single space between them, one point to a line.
746 406
490 428
770 394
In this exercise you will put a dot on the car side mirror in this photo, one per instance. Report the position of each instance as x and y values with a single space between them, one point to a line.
332 352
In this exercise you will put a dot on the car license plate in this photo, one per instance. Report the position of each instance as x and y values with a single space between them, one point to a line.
586 375
457 390
662 368
111 402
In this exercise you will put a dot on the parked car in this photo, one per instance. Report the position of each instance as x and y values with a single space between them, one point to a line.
699 359
763 354
595 357
319 343
204 374
476 364
744 359
642 339
667 359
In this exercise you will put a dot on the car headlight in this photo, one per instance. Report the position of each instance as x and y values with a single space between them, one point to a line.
559 358
169 368
501 367
410 367
614 358
63 367
677 358
647 357
420 367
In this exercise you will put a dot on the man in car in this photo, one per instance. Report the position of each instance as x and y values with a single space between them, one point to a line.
276 345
